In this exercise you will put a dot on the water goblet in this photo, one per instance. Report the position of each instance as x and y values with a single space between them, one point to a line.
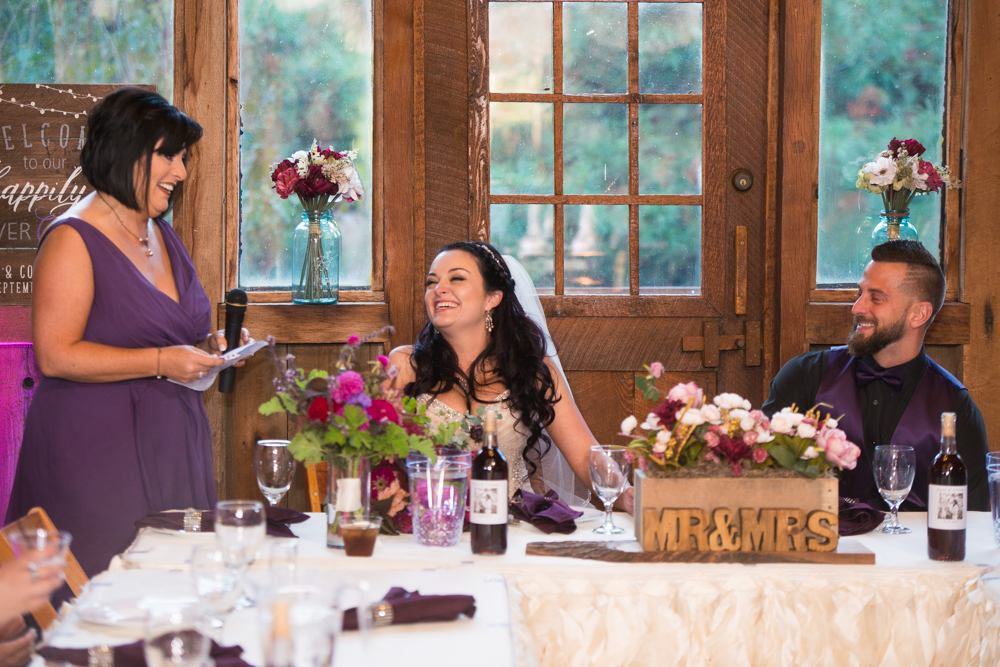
609 468
895 466
216 583
174 638
275 468
993 479
239 533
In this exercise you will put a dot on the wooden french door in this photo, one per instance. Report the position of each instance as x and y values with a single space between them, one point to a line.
698 300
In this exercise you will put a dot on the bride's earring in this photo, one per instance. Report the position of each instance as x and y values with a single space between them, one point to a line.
489 322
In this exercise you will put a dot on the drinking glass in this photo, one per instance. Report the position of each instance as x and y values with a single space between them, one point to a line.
275 468
609 469
174 638
54 542
239 533
993 477
283 556
895 466
216 583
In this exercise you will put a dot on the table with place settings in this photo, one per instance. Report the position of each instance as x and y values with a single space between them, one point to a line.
533 610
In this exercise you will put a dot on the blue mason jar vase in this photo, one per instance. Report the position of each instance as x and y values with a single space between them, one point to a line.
316 259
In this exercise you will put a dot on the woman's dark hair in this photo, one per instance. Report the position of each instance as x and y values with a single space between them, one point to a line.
123 130
517 344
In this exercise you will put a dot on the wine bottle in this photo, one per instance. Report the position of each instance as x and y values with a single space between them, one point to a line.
488 493
947 498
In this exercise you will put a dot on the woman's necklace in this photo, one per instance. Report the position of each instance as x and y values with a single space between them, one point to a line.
143 241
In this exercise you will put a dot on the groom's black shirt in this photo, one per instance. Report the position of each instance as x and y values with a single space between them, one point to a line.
799 380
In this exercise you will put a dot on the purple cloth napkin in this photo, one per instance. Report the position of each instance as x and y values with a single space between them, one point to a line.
413 607
546 513
857 518
131 655
278 520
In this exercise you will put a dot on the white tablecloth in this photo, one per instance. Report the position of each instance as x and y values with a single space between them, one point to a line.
906 610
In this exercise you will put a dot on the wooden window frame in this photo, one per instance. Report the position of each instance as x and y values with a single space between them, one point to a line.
710 302
811 315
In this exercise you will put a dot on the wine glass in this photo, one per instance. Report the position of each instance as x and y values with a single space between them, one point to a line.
275 468
174 638
895 466
216 583
609 469
239 534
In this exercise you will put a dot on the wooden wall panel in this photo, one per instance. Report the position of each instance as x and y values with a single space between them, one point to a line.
981 193
604 399
624 344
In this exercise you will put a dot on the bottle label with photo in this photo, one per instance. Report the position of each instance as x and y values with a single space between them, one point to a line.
947 507
488 501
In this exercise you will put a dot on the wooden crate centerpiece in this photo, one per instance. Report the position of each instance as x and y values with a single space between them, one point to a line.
716 476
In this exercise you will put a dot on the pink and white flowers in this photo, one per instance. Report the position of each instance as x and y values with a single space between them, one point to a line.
898 175
320 177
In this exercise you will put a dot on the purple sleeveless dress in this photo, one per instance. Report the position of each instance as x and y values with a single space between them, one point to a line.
99 457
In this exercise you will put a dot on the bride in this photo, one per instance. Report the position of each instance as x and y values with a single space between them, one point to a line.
479 347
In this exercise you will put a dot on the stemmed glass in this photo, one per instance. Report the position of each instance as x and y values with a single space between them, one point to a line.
895 466
175 639
609 469
216 583
275 468
239 534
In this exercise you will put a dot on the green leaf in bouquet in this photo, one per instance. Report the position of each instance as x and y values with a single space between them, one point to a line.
641 383
784 457
651 394
306 447
273 406
316 373
812 471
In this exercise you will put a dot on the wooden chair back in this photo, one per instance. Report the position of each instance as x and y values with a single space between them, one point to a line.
318 476
75 577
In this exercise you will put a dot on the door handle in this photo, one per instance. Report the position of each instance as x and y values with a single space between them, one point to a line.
710 343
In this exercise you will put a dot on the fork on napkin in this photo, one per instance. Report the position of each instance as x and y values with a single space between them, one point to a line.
278 521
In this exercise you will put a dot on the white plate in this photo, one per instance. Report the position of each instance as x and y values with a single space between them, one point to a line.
129 612
589 513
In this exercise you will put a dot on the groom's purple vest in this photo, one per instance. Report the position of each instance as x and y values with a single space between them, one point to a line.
919 427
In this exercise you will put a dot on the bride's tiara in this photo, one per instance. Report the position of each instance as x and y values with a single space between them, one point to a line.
495 256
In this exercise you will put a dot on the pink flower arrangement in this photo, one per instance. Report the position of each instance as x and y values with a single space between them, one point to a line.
898 175
320 177
685 429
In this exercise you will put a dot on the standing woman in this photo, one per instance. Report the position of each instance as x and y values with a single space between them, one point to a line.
117 310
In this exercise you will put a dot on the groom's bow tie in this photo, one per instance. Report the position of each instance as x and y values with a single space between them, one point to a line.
864 375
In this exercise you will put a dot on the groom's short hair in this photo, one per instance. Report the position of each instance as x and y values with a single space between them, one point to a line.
924 278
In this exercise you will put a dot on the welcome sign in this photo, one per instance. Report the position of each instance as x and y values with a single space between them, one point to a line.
43 128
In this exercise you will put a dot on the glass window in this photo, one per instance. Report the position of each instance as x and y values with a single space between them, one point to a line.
565 159
876 84
306 73
94 41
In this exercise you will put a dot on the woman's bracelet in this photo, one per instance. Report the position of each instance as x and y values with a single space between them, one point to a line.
158 376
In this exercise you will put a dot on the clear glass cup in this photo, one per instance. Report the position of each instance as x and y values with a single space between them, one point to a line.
216 583
437 496
240 528
609 468
175 638
275 468
283 556
993 478
41 539
894 466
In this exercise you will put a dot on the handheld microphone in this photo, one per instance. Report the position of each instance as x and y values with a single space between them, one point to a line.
236 308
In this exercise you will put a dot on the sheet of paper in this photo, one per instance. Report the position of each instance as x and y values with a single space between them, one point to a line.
231 357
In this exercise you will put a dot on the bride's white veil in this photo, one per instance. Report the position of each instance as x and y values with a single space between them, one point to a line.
554 470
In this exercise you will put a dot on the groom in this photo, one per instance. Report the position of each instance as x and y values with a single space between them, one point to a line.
887 388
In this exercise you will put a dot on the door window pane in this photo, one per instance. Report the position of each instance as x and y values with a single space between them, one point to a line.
670 149
520 148
670 36
595 259
669 249
520 47
595 39
595 140
100 41
526 232
876 84
306 73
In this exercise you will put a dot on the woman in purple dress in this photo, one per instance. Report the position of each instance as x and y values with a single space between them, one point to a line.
117 313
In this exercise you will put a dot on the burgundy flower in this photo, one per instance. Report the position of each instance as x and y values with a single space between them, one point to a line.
667 412
404 521
286 182
894 146
382 410
913 147
383 475
413 428
476 433
934 181
282 166
734 450
319 409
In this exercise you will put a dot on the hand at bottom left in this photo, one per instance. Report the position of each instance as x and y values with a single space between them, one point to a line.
16 641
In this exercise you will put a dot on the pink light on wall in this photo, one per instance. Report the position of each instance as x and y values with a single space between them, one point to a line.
19 375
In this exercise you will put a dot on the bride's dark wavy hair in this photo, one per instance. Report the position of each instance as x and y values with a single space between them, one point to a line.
517 344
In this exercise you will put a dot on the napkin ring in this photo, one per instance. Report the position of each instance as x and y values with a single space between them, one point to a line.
101 656
382 614
192 521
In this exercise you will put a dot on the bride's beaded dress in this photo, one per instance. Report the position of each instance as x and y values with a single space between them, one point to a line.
512 440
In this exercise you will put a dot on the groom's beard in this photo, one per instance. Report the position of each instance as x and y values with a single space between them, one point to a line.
882 336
